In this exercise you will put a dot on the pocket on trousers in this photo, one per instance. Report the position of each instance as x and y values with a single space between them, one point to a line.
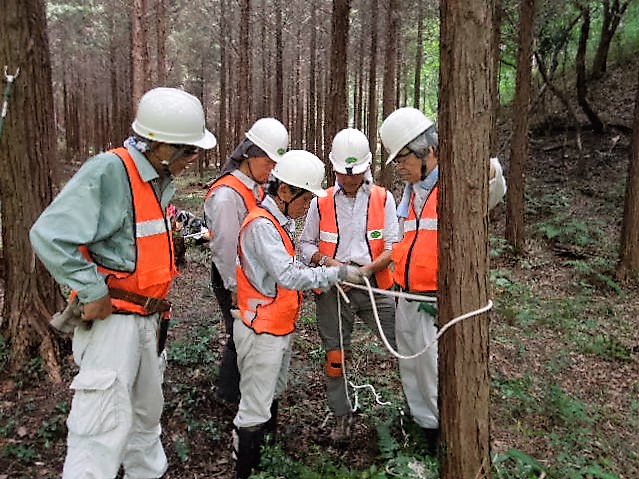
94 409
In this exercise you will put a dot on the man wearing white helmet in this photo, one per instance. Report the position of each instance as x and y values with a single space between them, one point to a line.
412 144
269 285
354 224
231 196
107 237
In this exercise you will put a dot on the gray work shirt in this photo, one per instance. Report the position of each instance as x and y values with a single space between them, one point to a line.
95 208
266 262
224 212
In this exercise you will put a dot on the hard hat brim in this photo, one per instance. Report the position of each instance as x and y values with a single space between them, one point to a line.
207 142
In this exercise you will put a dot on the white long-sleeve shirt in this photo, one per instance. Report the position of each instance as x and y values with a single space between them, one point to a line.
351 214
266 262
224 212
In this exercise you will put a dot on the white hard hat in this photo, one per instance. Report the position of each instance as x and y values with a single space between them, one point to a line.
169 115
271 136
400 128
350 153
301 169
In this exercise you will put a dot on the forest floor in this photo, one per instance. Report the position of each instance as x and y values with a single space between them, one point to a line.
564 348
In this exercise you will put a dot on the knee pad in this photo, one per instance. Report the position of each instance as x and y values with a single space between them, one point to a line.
334 363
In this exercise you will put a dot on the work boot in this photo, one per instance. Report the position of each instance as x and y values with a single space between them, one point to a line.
342 430
248 450
270 427
431 441
228 380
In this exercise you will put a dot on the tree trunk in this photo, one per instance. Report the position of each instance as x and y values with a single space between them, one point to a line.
612 14
337 99
419 54
311 106
466 106
497 19
222 125
28 149
161 33
515 230
390 87
279 63
628 267
372 86
140 63
243 103
582 80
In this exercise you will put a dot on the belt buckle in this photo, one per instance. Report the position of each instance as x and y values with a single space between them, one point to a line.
152 304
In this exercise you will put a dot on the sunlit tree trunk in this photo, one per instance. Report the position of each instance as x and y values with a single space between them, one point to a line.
466 110
515 229
27 157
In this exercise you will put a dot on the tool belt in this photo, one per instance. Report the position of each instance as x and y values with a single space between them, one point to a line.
151 304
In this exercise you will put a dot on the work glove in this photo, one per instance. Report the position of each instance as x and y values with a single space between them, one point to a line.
351 274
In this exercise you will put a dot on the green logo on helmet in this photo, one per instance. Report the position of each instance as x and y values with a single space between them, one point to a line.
281 151
376 234
350 160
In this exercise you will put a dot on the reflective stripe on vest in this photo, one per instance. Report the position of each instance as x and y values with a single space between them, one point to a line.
416 255
267 314
375 222
154 265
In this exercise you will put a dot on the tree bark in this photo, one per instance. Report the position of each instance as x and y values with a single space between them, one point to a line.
337 99
279 62
243 104
372 86
419 55
466 111
515 229
27 158
390 71
628 266
612 15
140 63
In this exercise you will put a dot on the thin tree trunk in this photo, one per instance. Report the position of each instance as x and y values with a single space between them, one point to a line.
582 80
311 115
372 86
612 15
243 101
140 64
419 55
390 71
279 62
161 34
515 229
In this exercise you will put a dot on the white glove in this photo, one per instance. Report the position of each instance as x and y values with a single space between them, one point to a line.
351 274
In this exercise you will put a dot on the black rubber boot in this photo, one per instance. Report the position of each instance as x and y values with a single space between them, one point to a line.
248 454
270 427
228 381
431 441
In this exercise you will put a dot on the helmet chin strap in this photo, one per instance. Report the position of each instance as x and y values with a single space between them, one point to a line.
166 164
287 203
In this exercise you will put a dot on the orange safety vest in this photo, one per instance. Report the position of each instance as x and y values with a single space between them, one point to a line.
154 266
376 219
237 185
416 255
267 314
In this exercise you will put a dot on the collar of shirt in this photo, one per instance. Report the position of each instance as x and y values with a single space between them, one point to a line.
249 182
166 190
426 184
365 187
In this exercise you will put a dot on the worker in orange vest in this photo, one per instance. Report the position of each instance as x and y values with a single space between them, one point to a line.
236 191
412 144
107 236
356 224
269 285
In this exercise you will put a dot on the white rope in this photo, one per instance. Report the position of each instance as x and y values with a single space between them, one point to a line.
395 353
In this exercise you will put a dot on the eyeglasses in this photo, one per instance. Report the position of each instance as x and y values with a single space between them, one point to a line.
402 155
187 150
